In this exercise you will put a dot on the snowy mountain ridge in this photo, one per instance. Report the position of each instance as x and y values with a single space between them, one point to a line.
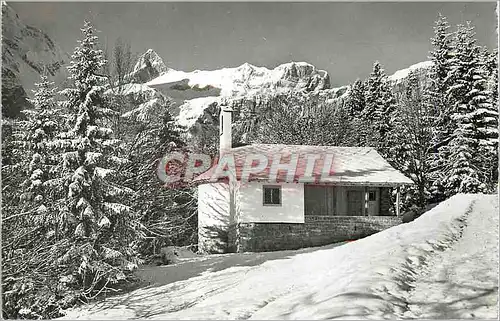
188 94
194 91
193 96
402 74
248 79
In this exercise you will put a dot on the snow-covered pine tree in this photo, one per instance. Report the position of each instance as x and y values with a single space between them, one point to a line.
379 106
493 67
490 59
475 139
441 55
97 220
31 275
40 128
13 171
169 133
462 174
356 98
439 106
491 130
354 106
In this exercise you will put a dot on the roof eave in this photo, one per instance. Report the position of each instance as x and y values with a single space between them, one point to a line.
338 183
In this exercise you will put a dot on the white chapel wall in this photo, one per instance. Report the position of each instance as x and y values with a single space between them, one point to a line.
251 208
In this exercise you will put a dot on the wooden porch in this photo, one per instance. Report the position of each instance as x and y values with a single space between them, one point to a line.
339 200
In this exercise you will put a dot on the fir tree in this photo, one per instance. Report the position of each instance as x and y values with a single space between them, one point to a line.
356 99
440 79
489 131
355 104
462 174
96 218
30 226
379 106
439 107
41 126
475 138
169 133
168 215
491 60
441 55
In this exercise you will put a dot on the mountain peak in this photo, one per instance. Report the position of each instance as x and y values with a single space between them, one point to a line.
246 65
149 65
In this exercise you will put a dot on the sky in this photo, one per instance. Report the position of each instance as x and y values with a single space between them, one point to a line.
341 38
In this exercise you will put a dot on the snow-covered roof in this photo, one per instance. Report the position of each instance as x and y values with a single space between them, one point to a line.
361 166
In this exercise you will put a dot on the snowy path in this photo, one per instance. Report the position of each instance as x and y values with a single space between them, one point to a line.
383 276
462 282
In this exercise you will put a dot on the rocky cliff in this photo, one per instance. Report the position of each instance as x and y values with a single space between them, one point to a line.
148 66
26 53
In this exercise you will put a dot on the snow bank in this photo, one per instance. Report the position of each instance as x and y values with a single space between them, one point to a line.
375 273
368 278
462 282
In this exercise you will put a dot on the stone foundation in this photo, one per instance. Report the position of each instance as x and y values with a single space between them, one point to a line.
316 231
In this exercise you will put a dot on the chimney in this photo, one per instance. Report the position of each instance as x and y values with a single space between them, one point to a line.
225 128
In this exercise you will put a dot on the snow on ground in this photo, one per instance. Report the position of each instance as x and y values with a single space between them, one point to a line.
463 282
374 277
